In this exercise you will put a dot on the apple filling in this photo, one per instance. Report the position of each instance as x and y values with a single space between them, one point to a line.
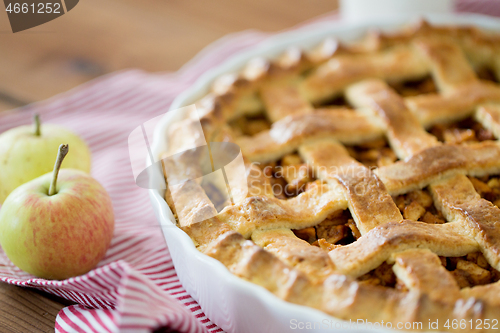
374 153
335 102
488 188
289 176
418 206
487 74
415 87
471 270
250 125
464 131
382 276
337 229
468 271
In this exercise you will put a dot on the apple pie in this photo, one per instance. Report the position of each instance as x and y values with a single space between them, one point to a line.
373 176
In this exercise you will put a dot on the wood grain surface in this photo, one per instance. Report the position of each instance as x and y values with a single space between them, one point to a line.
28 310
101 36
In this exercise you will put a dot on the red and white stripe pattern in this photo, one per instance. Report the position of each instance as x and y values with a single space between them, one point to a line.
486 7
135 288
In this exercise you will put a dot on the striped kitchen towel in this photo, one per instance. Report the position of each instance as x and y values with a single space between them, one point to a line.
135 288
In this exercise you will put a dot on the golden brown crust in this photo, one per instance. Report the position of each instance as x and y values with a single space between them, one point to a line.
366 195
489 117
311 260
487 293
287 134
455 105
449 66
265 213
283 99
404 132
422 271
379 244
434 163
334 76
459 201
291 91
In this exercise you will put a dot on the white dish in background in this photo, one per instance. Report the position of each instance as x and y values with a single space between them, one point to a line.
233 304
360 10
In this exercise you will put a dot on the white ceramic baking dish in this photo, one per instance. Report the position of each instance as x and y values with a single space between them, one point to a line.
232 303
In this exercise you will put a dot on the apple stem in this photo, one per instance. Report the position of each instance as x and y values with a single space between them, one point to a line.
36 121
63 150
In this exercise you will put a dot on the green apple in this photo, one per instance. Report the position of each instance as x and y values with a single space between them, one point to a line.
25 153
58 225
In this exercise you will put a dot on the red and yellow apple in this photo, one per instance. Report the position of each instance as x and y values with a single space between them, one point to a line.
58 225
26 153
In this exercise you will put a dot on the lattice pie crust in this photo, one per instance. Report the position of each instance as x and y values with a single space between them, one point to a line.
264 239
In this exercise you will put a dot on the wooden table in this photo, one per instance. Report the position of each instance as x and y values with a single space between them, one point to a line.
102 36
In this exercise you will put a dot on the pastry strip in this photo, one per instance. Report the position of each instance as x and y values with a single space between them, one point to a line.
282 100
422 271
289 133
458 104
311 260
458 200
437 162
450 68
489 116
406 135
331 78
369 203
375 247
264 213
